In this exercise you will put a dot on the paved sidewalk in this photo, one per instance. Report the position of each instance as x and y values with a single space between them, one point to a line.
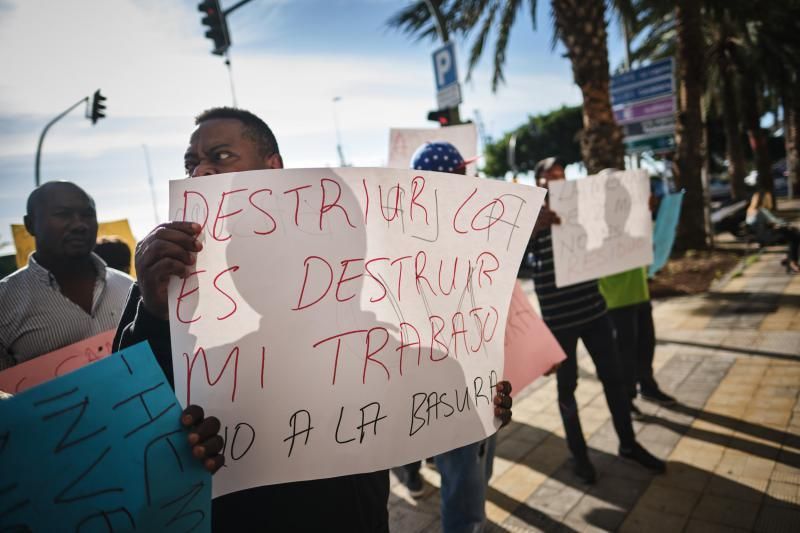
732 358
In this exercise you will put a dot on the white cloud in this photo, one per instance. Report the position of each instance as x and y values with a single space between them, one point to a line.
153 63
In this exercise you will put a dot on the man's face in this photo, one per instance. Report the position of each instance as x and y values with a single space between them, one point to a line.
219 145
64 224
555 173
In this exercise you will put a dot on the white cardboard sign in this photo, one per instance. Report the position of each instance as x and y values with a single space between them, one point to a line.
403 142
341 321
605 225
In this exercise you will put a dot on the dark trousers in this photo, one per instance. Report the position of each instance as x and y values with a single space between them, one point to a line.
792 237
598 338
636 341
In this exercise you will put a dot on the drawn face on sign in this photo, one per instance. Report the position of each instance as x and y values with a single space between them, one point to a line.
617 207
222 145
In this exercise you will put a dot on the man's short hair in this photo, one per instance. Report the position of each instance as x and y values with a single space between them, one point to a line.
39 194
114 252
255 129
545 165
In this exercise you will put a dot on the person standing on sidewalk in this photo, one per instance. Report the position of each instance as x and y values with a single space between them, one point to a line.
579 312
466 470
627 298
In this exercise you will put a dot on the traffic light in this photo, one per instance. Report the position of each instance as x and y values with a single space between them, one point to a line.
217 25
442 116
98 107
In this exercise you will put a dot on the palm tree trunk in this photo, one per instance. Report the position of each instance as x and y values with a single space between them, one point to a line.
733 134
689 127
582 27
758 140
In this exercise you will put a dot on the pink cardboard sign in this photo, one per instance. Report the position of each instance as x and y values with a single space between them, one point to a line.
56 363
531 349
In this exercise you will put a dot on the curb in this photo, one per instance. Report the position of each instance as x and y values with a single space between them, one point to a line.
736 271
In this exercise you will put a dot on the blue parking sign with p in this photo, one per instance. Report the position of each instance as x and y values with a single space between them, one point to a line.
444 66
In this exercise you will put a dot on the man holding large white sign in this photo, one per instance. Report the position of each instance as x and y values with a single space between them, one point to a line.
381 292
579 312
338 321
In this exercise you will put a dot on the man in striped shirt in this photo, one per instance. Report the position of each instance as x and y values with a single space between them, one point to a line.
579 312
66 293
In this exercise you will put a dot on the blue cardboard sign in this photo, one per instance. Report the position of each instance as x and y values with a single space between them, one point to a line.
669 213
101 449
444 66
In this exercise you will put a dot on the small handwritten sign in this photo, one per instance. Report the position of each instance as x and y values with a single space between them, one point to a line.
25 244
345 320
531 349
100 449
56 363
605 225
403 142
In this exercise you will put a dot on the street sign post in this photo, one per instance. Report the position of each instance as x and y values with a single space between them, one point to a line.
645 143
648 110
448 90
644 105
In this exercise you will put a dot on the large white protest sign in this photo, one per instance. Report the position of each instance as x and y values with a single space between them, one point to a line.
605 225
403 142
344 320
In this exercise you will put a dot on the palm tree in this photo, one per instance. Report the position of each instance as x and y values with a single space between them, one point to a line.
752 50
581 27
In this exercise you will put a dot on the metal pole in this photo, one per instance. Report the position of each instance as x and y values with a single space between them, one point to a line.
44 132
438 19
230 77
150 180
441 30
339 150
237 5
511 154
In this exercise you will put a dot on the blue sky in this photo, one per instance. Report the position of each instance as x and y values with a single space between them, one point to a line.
290 58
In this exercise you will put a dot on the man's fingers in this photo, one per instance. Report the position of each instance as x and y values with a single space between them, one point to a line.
212 464
209 447
503 414
165 268
192 415
204 430
504 387
503 400
189 228
157 250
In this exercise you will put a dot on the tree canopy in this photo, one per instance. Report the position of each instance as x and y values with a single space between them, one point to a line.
549 134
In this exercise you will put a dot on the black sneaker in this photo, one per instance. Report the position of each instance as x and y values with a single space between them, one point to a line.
643 457
657 396
636 413
413 483
584 469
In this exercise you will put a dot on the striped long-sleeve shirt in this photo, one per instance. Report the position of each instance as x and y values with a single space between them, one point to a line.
36 318
564 307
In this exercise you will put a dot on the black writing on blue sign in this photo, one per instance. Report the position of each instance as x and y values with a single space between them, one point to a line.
100 449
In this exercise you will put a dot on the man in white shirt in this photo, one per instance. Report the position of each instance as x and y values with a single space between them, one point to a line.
66 293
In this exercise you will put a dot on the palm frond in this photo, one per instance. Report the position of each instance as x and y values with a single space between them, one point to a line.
414 20
478 44
504 30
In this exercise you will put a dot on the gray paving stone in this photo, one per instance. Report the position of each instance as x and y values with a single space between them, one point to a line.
554 498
